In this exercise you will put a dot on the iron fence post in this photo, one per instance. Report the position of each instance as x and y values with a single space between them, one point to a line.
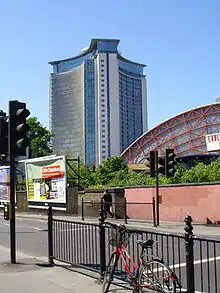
102 240
125 210
82 209
154 212
189 255
50 236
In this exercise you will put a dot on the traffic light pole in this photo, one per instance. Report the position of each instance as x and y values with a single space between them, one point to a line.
157 189
12 204
17 145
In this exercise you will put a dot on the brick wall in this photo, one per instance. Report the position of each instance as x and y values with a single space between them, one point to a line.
202 202
91 202
92 199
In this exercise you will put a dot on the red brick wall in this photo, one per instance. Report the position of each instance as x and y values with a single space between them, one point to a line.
202 202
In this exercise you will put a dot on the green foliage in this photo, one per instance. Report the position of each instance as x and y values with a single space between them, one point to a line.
199 173
40 138
106 172
179 171
203 173
115 173
214 171
128 178
78 174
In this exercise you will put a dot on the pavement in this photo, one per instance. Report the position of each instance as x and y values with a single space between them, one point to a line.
29 276
79 243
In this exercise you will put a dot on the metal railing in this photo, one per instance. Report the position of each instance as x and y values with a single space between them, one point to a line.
207 265
89 209
195 260
141 205
120 210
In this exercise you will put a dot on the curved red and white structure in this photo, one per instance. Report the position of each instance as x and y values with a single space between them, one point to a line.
185 133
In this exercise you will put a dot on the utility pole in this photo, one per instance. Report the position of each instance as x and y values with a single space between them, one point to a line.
12 206
157 189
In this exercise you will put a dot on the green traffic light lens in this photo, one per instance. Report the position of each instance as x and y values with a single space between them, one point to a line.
19 145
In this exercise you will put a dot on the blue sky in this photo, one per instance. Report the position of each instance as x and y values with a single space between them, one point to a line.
178 40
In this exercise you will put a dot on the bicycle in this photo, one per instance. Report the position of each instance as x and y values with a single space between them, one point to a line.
142 270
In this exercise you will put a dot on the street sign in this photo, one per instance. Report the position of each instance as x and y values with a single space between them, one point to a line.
213 142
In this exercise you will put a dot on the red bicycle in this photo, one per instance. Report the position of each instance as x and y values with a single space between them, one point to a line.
145 272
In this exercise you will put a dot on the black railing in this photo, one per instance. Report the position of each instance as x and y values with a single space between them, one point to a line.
195 260
119 209
76 243
89 209
207 265
142 205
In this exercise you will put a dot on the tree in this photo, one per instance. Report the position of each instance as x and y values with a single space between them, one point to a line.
106 172
40 138
203 173
114 172
179 172
80 176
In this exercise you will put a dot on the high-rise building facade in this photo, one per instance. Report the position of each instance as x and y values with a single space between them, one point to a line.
98 103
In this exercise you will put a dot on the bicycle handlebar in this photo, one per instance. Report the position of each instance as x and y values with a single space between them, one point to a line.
122 227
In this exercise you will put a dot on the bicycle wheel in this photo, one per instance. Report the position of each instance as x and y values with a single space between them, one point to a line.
109 273
156 276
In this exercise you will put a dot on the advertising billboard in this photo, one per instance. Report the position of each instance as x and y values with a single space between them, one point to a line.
213 142
46 179
4 184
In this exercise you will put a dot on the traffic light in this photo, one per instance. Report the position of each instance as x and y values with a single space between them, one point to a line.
3 133
170 162
161 165
151 159
18 128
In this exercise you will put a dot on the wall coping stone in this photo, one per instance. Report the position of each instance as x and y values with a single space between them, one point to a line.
120 189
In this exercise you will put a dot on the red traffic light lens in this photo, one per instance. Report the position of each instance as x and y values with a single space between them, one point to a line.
23 113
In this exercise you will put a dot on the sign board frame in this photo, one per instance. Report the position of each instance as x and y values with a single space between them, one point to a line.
46 179
213 142
4 192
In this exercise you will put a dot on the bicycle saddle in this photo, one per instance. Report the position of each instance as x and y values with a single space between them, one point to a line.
145 243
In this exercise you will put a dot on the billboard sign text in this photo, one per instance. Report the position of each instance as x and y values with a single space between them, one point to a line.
213 142
46 179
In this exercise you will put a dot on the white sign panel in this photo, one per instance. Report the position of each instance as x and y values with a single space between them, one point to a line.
213 142
46 179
